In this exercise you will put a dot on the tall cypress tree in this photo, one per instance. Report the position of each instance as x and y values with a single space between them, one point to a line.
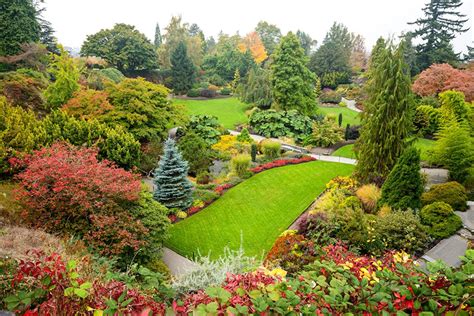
158 39
173 189
18 25
440 24
292 82
387 120
182 70
404 187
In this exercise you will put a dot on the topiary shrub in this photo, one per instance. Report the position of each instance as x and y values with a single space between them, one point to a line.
369 195
440 219
244 136
253 152
241 165
451 193
271 149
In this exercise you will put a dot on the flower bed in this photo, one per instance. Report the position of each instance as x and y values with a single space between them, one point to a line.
281 162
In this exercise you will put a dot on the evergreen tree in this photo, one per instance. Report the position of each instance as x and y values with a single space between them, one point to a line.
182 70
410 54
375 55
403 187
292 82
270 35
196 151
306 42
440 24
18 25
257 88
158 39
388 118
173 189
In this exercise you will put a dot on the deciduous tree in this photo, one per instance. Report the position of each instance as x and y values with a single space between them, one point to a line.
253 43
270 35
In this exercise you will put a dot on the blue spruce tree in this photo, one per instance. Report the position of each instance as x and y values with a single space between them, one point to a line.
173 189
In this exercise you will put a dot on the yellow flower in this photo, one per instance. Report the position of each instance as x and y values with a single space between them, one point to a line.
289 232
347 265
401 257
278 272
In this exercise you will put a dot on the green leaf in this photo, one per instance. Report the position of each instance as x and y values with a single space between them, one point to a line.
71 264
81 293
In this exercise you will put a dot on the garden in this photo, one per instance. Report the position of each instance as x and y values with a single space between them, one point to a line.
126 163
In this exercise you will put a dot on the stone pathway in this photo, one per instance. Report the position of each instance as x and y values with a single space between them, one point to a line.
450 249
177 264
351 104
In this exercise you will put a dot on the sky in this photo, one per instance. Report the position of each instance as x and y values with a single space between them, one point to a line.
73 20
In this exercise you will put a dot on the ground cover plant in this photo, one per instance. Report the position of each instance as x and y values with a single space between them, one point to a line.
229 111
259 209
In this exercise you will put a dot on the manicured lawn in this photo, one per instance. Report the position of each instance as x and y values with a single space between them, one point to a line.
229 111
348 116
257 210
423 144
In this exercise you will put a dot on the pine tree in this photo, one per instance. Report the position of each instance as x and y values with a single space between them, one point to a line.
387 120
173 189
440 24
292 82
18 25
403 187
158 39
182 70
236 80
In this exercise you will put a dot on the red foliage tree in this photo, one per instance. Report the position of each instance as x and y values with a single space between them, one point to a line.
66 189
441 77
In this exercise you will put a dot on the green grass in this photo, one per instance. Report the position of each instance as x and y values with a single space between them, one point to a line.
229 111
259 209
424 145
348 116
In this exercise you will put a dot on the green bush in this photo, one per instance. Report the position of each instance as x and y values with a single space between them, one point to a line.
205 195
194 93
196 151
325 133
451 193
271 149
401 230
427 119
244 136
204 177
253 152
241 164
440 219
225 91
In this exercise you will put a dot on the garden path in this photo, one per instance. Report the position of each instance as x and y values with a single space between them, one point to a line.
351 104
177 264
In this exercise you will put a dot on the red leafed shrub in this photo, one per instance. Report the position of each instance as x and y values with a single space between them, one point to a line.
223 187
67 189
281 163
442 77
88 104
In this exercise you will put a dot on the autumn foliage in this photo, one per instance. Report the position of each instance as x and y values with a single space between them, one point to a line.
441 77
88 104
253 43
65 189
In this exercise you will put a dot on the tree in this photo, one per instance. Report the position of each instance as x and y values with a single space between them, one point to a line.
124 47
88 104
376 54
182 70
388 116
143 109
173 189
410 54
440 24
63 68
158 39
334 53
403 187
442 77
306 42
292 82
196 151
18 25
257 88
253 43
46 30
270 35
358 57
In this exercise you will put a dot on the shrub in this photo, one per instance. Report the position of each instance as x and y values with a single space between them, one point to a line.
241 164
253 152
225 91
451 193
402 230
244 136
280 163
404 186
207 196
196 151
228 146
351 132
454 107
271 149
181 215
330 96
325 133
87 104
427 119
342 104
271 123
440 219
369 195
208 93
204 177
194 93
206 126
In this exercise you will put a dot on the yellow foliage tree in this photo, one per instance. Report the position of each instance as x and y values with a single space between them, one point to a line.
253 43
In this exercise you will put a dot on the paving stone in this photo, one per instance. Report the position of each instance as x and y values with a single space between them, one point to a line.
177 264
448 250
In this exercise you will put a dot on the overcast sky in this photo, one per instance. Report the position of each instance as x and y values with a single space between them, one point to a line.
73 20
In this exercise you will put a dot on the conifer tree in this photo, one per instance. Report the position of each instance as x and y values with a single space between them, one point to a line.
158 39
173 189
403 187
387 120
292 82
182 70
440 24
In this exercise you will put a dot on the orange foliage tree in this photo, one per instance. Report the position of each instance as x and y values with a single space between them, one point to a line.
441 77
253 43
